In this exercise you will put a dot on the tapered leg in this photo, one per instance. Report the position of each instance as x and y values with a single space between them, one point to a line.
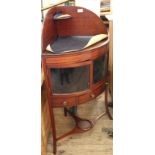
53 130
50 107
65 112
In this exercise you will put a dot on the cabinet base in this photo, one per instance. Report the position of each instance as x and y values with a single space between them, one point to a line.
81 124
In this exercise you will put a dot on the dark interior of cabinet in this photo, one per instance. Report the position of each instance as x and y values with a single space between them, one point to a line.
100 68
76 79
69 80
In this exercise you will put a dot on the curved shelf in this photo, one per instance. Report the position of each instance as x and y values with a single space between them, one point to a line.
81 124
60 16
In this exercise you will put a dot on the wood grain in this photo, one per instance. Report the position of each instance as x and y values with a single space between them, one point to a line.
93 142
85 23
45 121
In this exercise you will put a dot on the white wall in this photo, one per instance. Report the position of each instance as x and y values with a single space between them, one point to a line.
93 5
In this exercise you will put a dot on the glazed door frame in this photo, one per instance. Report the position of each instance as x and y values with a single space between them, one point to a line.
71 65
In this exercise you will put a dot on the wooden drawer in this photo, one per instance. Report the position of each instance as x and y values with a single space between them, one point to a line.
98 91
90 95
84 98
63 101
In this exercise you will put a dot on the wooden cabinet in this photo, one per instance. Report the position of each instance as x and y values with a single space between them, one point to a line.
78 76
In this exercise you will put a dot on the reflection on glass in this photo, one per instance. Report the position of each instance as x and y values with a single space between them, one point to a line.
68 80
100 68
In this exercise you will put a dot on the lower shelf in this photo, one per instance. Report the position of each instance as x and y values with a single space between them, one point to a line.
82 125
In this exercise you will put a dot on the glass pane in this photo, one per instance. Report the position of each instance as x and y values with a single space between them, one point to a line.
100 68
68 80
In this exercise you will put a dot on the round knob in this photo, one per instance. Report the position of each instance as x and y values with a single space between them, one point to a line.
106 83
65 103
92 95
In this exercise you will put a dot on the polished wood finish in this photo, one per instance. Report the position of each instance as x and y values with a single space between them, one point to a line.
64 101
75 57
49 29
45 121
73 99
86 23
81 124
79 24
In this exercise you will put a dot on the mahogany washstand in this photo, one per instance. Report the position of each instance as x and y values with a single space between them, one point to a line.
74 78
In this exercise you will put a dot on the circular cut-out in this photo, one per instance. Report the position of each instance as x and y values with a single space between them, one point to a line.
84 124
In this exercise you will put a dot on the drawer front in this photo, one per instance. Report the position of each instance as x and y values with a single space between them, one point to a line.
84 98
63 101
98 91
91 95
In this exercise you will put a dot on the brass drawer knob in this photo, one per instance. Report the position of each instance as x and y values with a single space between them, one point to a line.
106 83
65 103
92 95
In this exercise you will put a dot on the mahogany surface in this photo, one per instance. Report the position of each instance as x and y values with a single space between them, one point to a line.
86 23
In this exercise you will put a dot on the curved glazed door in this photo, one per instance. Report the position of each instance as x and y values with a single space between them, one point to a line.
70 79
100 68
